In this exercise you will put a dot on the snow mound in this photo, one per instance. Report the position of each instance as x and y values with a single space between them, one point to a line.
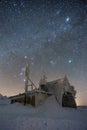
4 100
48 116
51 103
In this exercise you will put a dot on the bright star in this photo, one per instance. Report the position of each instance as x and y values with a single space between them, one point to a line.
69 61
25 57
67 19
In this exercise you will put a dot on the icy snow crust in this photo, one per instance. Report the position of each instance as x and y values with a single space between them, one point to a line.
49 116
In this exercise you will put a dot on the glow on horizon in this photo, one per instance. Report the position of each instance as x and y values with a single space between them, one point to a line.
80 97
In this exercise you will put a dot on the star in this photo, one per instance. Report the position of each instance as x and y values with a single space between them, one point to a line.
14 4
57 12
67 19
25 57
52 62
21 73
69 61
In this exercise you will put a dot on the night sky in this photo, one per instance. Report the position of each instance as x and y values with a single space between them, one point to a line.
51 35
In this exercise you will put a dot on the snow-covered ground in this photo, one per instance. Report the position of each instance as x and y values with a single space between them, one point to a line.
4 100
49 116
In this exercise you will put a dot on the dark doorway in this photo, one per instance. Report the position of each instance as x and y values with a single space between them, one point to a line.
44 88
68 100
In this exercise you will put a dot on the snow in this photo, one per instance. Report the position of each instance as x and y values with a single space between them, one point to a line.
4 100
48 116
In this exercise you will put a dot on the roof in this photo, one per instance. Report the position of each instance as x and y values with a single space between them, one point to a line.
30 93
63 80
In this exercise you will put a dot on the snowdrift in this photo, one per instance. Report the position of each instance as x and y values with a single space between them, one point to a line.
4 100
48 116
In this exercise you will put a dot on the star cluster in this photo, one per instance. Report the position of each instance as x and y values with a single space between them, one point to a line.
49 34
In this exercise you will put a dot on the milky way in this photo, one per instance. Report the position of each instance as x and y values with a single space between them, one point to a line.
49 34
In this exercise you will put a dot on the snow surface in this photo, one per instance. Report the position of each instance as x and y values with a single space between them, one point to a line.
4 100
49 116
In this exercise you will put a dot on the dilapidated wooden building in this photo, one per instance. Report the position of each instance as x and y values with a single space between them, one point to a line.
34 97
63 91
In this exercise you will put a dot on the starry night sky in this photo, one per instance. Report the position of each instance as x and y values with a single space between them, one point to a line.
51 35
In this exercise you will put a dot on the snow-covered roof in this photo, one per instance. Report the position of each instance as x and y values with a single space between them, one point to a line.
63 80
